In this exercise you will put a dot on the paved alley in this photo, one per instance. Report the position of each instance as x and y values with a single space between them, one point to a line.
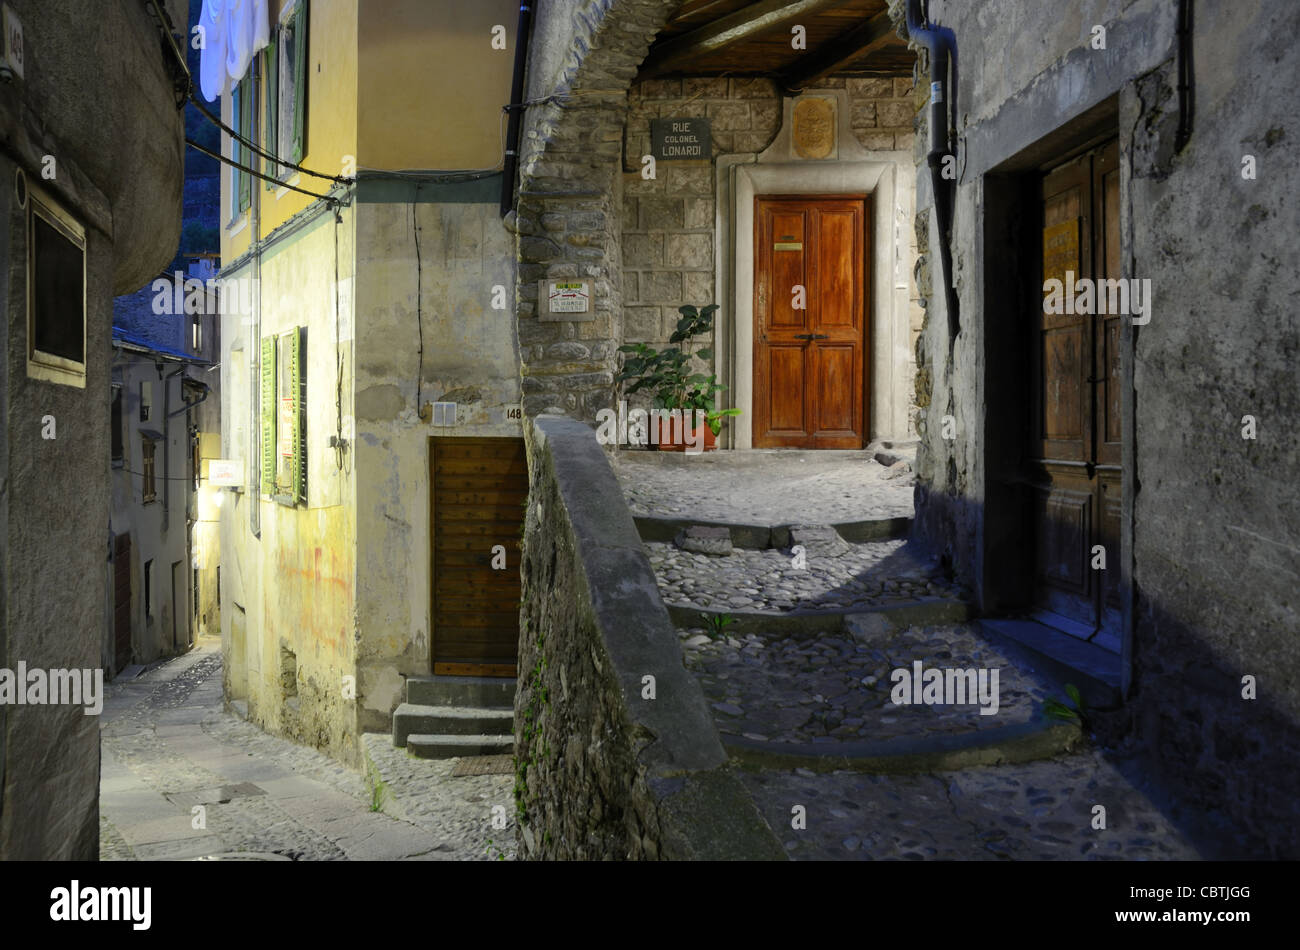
182 779
796 651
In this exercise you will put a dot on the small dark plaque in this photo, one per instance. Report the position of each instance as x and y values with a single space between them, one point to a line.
680 140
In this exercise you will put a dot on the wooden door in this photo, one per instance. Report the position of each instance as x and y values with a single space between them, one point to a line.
1076 425
121 601
810 338
480 489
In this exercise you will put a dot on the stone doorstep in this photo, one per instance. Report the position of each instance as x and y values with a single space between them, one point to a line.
814 622
1004 745
1063 658
759 537
450 720
425 746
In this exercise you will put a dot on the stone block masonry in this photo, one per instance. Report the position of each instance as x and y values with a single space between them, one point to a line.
668 223
617 756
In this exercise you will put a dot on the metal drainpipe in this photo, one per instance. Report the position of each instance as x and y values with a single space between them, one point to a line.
942 46
167 442
516 107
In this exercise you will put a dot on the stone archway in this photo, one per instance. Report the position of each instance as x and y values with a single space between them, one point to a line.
567 218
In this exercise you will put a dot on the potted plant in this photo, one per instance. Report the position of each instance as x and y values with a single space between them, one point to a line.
668 374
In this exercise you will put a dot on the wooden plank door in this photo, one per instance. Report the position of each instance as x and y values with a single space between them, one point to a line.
480 489
810 336
121 601
1075 445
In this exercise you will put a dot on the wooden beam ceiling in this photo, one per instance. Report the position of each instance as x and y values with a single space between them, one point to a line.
839 52
735 27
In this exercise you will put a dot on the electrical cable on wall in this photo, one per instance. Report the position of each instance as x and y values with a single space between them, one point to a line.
257 174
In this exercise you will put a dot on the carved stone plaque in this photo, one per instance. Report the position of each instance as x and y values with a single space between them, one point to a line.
813 127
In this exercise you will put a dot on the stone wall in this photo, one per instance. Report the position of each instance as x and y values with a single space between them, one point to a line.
669 222
118 165
1212 524
616 753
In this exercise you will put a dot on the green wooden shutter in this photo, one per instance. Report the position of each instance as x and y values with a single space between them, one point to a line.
298 386
301 74
272 53
236 153
268 415
244 94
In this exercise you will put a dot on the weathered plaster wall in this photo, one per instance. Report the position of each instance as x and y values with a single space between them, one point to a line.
118 158
412 53
289 596
1214 532
464 265
616 753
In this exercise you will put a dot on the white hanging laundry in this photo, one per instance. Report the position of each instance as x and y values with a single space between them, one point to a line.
212 57
239 37
261 25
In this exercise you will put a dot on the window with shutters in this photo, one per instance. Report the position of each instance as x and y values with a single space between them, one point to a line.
284 419
286 90
148 489
241 101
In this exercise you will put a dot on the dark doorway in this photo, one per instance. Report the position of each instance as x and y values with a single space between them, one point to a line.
1075 426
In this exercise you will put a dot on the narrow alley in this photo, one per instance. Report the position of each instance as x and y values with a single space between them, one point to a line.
181 779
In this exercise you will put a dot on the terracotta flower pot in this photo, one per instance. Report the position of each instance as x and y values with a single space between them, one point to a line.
669 435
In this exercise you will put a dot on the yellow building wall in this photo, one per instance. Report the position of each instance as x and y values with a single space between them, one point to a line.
431 83
331 121
288 596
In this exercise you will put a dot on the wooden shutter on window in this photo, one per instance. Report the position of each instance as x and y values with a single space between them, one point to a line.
298 386
245 96
272 138
300 83
268 415
236 154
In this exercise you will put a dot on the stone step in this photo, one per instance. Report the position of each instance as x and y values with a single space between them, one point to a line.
656 528
427 746
410 718
460 690
858 621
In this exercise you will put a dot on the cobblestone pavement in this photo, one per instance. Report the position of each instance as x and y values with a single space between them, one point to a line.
830 688
169 749
764 486
1036 811
870 574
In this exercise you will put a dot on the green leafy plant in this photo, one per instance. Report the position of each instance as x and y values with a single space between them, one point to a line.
718 623
378 792
667 372
491 847
1078 713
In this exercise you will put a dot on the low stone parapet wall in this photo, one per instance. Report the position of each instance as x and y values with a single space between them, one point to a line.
617 755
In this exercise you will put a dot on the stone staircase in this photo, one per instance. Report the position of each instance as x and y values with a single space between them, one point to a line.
446 717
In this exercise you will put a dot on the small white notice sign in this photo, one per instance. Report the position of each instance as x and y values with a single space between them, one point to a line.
569 297
226 473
